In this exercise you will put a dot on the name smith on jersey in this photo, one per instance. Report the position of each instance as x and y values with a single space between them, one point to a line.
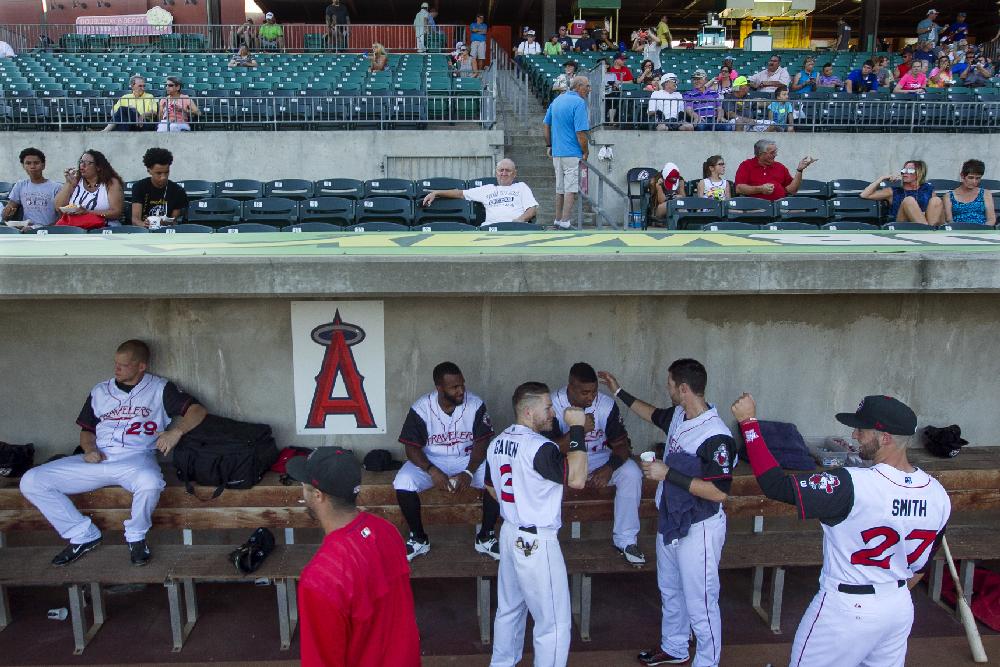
908 507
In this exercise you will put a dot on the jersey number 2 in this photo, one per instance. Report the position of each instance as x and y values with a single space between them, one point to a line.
506 483
140 428
871 555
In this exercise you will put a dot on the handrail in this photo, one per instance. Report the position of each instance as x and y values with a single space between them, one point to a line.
597 201
512 81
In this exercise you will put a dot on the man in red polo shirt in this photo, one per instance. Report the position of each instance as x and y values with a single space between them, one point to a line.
355 602
761 176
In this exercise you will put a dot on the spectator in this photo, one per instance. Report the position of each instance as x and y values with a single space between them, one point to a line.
702 106
378 59
6 50
272 35
621 73
647 74
969 202
724 81
432 28
863 79
566 126
904 67
664 185
663 35
912 200
713 183
827 79
421 22
243 58
157 197
883 74
94 191
941 76
928 30
529 47
565 40
843 35
666 106
337 22
585 43
978 73
604 42
728 62
133 110
34 195
781 112
914 81
805 79
738 109
477 43
553 47
957 31
925 52
506 201
465 63
355 600
645 42
243 36
764 177
768 79
176 109
561 84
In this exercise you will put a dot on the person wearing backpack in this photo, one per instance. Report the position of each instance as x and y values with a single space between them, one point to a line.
124 422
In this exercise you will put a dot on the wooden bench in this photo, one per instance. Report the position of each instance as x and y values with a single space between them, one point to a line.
972 480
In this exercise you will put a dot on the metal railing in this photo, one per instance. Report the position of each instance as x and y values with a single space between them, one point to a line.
347 111
921 114
595 103
608 202
313 37
511 80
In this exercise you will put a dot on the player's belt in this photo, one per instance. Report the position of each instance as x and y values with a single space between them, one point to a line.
863 589
530 529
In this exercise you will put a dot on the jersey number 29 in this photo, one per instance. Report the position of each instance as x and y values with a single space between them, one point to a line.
140 428
873 557
506 483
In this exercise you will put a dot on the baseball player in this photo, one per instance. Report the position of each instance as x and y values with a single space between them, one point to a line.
526 472
445 435
881 527
609 456
697 468
123 423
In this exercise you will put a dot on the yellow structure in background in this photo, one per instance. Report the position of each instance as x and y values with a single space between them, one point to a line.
786 32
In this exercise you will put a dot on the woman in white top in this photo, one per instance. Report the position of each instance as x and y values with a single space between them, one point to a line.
714 184
95 187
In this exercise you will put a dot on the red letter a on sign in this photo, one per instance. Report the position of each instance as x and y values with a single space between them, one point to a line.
339 360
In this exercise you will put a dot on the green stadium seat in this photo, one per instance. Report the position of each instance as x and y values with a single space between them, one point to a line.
327 210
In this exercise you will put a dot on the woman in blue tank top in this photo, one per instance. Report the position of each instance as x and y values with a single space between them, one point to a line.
970 202
911 198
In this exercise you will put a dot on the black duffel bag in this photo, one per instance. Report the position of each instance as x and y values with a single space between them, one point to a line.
224 453
15 460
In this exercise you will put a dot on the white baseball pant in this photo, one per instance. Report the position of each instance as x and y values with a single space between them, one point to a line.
535 583
48 486
412 478
687 573
847 630
627 481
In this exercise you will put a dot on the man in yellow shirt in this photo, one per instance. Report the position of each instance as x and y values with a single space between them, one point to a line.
133 111
663 33
272 35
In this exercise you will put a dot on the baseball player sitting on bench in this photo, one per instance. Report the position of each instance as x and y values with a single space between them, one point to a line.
881 527
609 460
445 434
124 422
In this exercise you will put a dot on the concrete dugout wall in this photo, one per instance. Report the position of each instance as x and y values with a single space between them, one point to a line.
804 357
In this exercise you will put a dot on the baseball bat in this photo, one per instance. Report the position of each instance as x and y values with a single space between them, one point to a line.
964 612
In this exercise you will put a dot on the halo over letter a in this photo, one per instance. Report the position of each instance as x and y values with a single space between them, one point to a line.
338 337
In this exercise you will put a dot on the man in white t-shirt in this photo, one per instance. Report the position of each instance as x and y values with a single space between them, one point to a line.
506 201
666 105
529 47
6 51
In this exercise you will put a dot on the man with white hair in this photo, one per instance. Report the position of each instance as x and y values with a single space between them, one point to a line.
566 125
506 201
764 177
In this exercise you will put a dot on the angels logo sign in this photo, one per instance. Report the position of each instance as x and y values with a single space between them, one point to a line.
338 356
823 481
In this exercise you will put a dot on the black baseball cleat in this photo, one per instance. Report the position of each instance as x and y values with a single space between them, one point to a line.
73 552
632 555
655 656
139 553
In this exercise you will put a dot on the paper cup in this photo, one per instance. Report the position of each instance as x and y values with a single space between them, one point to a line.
648 457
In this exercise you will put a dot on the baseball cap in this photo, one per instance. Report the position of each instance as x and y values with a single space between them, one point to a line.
269 15
932 11
669 76
459 44
332 470
424 5
530 32
740 81
882 413
699 72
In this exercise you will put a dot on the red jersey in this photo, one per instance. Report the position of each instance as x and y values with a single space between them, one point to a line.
623 74
751 172
355 601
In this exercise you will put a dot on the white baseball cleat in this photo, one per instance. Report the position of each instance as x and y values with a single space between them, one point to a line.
632 555
415 547
490 546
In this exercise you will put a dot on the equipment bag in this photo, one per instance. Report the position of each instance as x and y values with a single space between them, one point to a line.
249 556
16 459
224 453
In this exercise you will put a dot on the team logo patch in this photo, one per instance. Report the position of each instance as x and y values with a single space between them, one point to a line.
721 456
823 481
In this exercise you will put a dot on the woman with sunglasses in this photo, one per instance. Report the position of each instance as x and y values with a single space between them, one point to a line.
910 197
176 109
92 193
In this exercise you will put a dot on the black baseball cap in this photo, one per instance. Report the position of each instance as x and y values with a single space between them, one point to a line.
333 470
882 413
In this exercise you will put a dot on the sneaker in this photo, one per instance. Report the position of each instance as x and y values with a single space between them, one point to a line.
563 224
73 552
632 555
490 546
415 547
655 656
139 553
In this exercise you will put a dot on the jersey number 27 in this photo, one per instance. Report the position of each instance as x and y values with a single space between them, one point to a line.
873 556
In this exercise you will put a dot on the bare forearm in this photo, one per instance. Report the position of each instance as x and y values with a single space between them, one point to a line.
195 414
417 457
477 456
576 464
88 441
706 490
528 214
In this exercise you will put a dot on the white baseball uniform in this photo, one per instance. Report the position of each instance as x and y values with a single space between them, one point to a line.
447 440
881 526
528 472
126 422
627 476
687 570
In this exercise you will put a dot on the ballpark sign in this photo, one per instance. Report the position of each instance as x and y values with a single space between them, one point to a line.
338 357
